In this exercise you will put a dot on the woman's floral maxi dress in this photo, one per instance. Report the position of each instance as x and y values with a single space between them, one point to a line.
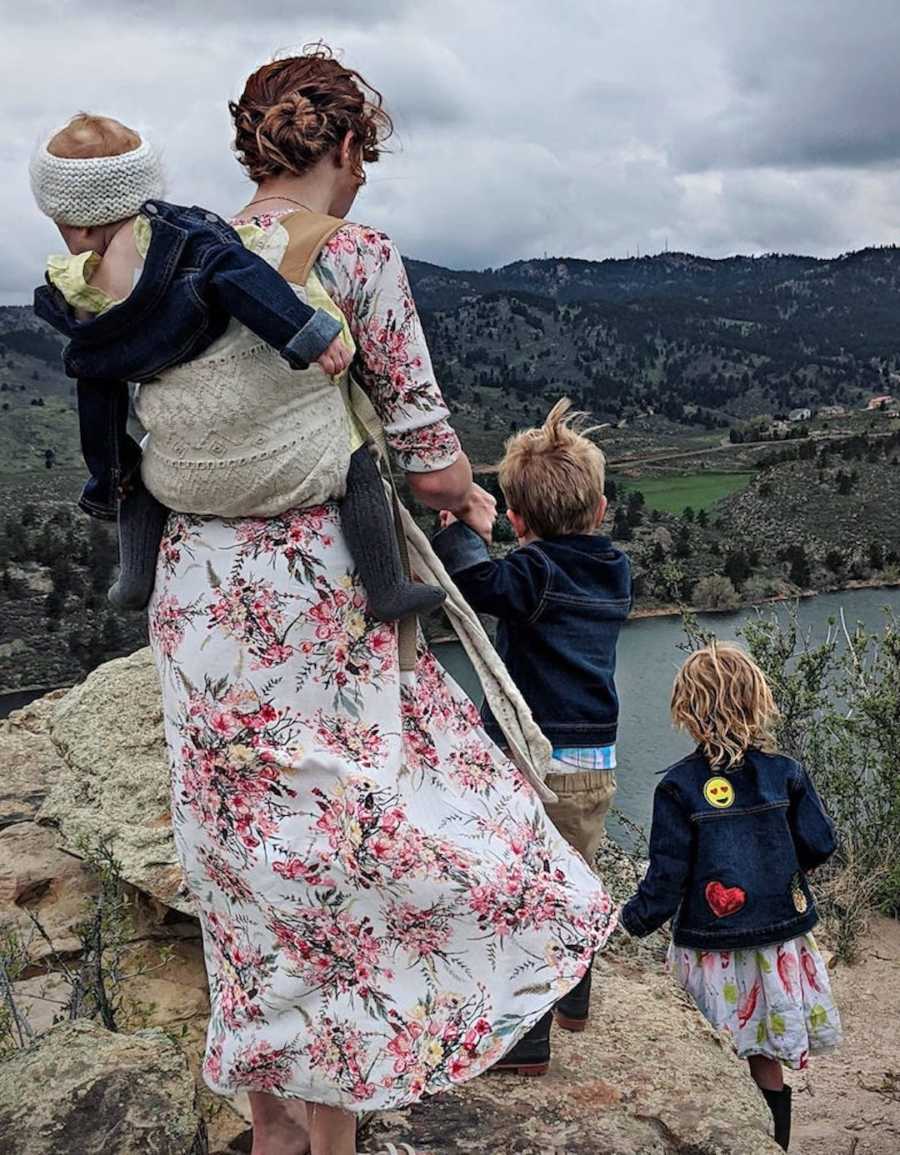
385 907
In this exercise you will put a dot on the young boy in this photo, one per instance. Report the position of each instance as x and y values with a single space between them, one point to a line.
560 598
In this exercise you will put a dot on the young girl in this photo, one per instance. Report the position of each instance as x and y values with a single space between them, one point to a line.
736 829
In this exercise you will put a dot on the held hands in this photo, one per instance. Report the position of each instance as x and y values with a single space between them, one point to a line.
335 359
478 511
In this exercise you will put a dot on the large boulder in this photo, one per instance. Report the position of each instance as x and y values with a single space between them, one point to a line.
82 1090
113 782
28 760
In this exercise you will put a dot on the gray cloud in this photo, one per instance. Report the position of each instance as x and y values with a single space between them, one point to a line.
584 129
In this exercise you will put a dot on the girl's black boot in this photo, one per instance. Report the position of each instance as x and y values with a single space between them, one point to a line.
780 1106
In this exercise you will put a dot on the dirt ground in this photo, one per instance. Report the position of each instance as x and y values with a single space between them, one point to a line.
848 1103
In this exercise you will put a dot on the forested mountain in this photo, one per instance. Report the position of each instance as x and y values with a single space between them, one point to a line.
698 340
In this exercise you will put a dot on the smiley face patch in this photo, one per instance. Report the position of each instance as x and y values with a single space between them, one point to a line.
718 792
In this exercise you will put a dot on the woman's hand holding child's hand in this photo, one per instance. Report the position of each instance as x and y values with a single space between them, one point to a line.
478 511
335 359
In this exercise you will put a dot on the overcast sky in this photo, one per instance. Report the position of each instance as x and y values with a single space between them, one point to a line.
573 127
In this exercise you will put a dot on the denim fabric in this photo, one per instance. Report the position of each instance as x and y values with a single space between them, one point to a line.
729 852
111 455
560 603
197 276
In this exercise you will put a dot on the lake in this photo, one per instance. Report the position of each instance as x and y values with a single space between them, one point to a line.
648 657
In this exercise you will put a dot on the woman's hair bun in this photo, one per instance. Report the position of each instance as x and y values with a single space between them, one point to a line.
295 110
292 118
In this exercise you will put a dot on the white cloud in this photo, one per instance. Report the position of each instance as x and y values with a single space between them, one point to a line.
586 128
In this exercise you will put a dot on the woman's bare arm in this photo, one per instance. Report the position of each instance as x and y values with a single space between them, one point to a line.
452 488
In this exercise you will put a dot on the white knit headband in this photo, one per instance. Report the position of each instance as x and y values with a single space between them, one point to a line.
95 190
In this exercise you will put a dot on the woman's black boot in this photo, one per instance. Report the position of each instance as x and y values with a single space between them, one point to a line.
531 1054
573 1009
780 1106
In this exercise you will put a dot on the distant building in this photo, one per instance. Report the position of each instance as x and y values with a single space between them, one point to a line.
800 415
832 411
881 402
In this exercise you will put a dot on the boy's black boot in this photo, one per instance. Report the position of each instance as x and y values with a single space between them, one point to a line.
780 1106
573 1009
531 1054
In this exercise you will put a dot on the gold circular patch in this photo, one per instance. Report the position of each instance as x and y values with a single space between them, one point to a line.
800 903
718 792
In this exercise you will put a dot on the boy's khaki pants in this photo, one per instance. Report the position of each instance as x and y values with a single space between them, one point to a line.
584 798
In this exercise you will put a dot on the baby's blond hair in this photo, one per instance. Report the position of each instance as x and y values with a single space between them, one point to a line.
553 476
87 136
721 697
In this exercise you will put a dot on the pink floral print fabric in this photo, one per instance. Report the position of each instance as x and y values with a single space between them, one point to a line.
385 906
774 1001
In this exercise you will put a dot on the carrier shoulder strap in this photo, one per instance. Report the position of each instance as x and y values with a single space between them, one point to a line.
308 233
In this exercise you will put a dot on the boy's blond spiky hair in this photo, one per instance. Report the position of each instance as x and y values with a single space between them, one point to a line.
721 697
553 476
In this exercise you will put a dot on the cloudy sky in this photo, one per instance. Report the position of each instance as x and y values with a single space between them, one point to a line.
573 127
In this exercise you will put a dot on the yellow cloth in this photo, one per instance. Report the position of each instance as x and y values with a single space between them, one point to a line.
71 273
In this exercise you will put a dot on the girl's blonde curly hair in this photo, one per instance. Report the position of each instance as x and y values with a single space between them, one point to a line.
721 697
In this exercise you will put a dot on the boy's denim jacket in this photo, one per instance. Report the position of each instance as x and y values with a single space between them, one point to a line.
561 602
729 852
197 275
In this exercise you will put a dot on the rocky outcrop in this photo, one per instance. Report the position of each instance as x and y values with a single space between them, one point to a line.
648 1077
28 761
82 1090
113 781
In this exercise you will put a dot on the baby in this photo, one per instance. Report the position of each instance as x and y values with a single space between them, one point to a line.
148 286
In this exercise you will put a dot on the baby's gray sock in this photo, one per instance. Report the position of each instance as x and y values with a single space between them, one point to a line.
372 540
141 523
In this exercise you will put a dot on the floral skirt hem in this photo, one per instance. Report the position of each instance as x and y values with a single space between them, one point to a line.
774 1000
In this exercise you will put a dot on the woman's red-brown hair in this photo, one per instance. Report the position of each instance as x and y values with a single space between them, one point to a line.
296 110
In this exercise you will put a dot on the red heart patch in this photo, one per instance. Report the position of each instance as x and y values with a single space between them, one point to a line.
724 900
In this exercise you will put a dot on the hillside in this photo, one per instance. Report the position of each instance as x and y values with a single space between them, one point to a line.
675 352
690 342
694 341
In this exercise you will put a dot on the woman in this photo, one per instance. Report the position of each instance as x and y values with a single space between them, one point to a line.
385 907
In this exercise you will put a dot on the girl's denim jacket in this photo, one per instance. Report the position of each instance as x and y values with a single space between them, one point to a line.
197 275
729 852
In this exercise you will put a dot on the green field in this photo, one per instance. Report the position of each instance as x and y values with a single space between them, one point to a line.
674 493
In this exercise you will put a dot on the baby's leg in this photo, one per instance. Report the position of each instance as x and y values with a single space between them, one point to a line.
141 523
372 541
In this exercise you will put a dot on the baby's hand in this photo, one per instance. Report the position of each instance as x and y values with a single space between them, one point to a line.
335 359
446 518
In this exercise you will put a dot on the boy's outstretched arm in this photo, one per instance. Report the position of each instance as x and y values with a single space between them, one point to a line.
660 894
509 587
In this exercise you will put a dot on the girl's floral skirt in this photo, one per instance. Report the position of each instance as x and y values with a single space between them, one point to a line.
773 1001
385 906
